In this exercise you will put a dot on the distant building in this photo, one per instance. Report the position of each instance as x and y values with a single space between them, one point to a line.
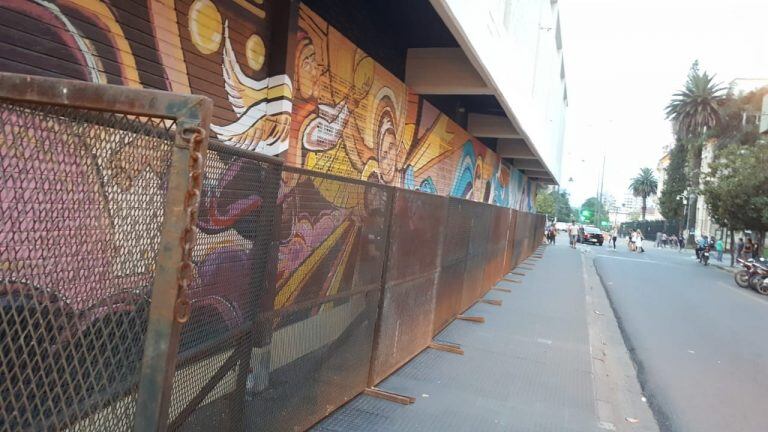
746 85
661 167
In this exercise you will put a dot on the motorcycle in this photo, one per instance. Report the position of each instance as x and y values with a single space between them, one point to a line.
704 255
742 276
762 288
756 280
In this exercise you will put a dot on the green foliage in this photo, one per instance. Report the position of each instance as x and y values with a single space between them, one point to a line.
736 187
555 204
545 203
737 113
675 184
591 210
643 186
563 209
694 109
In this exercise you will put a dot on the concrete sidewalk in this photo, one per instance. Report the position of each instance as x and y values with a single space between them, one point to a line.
527 368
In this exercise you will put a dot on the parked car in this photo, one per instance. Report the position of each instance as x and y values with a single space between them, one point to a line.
561 226
591 235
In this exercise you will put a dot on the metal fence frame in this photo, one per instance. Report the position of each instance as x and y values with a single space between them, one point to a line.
489 239
170 307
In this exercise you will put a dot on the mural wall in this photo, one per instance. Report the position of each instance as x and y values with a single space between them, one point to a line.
341 114
353 118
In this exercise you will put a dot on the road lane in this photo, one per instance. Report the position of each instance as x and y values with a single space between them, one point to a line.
699 341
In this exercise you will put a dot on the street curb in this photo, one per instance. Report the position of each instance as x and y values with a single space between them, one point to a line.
619 399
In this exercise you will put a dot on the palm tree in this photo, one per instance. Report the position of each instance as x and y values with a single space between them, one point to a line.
643 186
694 111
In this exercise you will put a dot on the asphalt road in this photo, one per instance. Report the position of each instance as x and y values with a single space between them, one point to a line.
700 342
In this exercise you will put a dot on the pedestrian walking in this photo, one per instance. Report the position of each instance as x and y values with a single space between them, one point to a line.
639 241
664 240
614 236
719 247
749 247
552 234
681 241
658 240
573 232
755 252
739 247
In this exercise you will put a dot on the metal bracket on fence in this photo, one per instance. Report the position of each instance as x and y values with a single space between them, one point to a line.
477 319
517 273
447 347
493 302
512 280
506 290
392 397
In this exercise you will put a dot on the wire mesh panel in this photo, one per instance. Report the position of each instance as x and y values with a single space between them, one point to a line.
88 242
231 288
511 259
332 245
450 284
407 308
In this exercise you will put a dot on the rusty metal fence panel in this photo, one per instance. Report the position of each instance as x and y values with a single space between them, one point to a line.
453 263
497 246
521 238
407 308
232 289
476 256
98 186
510 259
332 247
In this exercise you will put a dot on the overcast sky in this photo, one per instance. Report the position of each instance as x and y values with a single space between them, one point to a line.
623 61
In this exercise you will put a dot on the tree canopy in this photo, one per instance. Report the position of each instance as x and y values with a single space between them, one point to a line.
644 185
736 187
555 203
675 184
694 109
545 203
589 213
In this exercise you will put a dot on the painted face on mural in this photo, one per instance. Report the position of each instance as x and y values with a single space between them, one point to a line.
307 68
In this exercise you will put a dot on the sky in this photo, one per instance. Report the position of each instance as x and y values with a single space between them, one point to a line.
623 62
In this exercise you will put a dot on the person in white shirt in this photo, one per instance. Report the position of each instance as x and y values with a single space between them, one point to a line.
573 232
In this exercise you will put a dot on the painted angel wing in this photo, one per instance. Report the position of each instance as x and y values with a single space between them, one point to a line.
263 107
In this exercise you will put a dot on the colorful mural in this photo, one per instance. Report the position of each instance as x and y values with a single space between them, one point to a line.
341 113
353 118
348 112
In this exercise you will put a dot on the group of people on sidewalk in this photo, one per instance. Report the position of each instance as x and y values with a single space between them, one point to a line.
748 250
664 240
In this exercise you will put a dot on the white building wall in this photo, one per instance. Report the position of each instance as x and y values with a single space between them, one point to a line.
514 45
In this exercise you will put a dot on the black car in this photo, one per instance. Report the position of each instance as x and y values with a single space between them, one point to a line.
591 235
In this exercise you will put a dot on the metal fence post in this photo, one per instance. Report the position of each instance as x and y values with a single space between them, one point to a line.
170 304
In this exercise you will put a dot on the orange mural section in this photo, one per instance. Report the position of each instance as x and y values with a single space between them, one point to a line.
353 118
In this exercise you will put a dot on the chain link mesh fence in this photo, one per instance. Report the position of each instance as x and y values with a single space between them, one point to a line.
279 300
82 205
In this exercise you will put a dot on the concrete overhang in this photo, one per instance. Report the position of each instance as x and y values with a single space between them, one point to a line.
491 126
530 164
443 71
514 148
452 23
